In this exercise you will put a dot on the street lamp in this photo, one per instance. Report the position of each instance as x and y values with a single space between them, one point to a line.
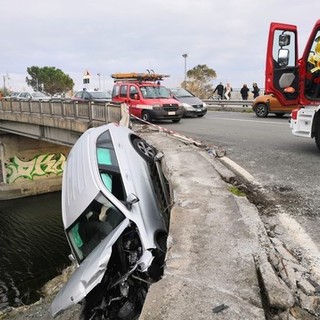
99 75
185 56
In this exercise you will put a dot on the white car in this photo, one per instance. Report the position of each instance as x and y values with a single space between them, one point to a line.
115 209
33 96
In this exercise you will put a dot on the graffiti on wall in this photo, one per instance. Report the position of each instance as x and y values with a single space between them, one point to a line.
41 165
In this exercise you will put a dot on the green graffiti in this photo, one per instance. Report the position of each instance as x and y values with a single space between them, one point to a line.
42 165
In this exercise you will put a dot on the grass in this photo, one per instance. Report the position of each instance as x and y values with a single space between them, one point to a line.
237 192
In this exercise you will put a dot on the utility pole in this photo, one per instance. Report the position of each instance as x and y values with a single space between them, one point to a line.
185 56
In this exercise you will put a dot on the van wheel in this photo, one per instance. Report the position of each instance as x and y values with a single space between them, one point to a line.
145 150
261 110
146 116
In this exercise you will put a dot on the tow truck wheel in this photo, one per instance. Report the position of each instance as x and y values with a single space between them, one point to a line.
146 116
261 110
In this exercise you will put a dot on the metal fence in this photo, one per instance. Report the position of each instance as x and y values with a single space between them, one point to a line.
109 112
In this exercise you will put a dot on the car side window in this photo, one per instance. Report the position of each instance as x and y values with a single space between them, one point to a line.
108 166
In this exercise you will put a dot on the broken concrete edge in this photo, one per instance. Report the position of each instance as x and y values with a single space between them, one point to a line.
285 283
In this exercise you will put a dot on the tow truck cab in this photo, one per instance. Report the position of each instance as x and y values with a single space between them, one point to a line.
293 80
146 97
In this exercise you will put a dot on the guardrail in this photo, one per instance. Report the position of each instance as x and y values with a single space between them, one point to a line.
231 102
66 109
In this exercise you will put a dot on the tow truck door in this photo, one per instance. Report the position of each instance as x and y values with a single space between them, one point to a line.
282 70
310 69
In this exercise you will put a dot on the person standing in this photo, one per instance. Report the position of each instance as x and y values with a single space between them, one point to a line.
255 90
244 91
219 89
227 91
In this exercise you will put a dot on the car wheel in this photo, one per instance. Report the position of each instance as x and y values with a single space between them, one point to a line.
279 115
261 110
144 149
146 116
317 139
176 120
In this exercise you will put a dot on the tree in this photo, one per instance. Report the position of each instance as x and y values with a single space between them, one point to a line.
199 79
49 80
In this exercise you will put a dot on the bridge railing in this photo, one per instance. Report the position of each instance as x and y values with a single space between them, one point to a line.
67 109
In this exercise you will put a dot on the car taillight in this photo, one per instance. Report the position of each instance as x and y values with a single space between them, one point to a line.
294 114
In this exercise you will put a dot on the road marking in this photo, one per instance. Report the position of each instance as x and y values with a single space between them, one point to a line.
257 121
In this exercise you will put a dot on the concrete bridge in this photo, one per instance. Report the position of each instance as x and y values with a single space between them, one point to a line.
36 137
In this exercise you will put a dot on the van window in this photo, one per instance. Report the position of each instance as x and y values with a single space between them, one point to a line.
132 91
123 91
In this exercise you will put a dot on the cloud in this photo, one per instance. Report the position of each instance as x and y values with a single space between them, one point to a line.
124 36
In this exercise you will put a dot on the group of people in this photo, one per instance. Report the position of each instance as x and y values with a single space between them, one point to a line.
224 92
244 91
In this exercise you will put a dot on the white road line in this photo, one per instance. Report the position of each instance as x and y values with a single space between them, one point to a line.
257 121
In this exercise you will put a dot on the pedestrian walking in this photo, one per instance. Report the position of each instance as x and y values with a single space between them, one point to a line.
219 88
244 91
227 91
255 90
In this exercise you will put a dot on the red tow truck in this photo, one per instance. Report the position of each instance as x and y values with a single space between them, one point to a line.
146 97
295 81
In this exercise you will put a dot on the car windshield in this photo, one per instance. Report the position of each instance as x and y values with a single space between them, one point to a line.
153 92
181 93
100 95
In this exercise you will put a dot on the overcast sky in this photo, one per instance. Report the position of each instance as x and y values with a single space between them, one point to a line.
106 36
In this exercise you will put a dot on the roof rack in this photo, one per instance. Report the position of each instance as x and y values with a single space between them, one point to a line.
134 76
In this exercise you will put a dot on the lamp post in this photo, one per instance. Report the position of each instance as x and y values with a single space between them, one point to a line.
99 75
185 56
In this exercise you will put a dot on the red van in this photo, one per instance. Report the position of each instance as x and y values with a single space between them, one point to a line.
146 97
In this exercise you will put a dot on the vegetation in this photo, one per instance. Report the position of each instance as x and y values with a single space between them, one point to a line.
237 192
49 80
199 81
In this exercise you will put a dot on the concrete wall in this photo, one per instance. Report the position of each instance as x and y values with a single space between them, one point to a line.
29 164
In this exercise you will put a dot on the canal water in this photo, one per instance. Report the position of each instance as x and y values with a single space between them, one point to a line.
33 247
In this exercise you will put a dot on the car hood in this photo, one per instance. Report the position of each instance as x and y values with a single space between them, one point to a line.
190 100
88 274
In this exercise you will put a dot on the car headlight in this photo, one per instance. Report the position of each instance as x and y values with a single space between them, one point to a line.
187 106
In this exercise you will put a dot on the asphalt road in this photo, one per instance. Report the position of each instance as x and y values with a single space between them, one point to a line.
265 147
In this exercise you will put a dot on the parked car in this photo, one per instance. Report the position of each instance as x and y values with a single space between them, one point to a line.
265 104
193 106
13 96
115 209
32 96
92 95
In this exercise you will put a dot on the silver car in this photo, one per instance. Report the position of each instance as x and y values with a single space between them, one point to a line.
115 210
193 106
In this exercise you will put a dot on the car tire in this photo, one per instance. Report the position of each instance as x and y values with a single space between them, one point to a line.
317 139
145 150
261 110
145 116
176 120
